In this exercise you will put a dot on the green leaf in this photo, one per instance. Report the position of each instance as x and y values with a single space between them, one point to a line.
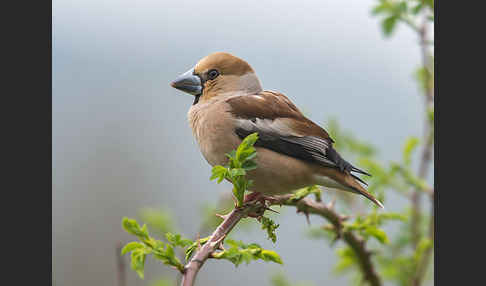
270 226
219 172
231 154
410 145
377 233
160 250
430 115
425 78
178 240
249 165
392 216
240 252
132 227
170 253
418 8
304 192
383 7
402 7
131 246
250 140
237 172
138 261
270 255
347 259
190 250
389 24
239 162
423 245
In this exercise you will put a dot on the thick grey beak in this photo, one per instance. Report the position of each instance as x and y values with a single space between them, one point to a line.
188 82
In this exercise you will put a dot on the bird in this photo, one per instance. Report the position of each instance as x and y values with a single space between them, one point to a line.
293 152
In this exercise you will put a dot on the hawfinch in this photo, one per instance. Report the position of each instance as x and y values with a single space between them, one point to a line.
292 151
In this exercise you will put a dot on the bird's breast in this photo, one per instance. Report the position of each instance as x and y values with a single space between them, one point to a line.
213 128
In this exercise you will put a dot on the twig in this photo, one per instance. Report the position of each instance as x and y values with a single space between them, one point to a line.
307 205
424 163
120 265
422 264
214 242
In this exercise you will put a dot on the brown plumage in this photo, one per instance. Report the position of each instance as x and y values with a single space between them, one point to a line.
275 105
292 151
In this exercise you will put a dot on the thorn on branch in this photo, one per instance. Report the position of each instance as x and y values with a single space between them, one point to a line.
216 244
331 204
344 217
269 209
307 218
223 217
305 211
221 247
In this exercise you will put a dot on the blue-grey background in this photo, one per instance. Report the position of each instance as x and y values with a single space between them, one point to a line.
121 140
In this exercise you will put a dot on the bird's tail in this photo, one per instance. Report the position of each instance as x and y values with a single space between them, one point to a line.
347 182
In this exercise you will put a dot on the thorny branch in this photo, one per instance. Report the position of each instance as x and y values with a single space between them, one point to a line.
357 243
305 205
215 241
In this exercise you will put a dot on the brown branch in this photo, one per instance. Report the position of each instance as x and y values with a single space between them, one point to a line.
120 265
421 267
426 158
307 205
215 241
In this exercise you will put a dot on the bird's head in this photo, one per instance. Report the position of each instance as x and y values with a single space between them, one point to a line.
218 74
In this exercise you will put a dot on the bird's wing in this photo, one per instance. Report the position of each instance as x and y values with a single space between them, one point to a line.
283 128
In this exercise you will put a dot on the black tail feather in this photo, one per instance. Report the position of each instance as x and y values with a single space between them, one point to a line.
354 169
359 179
342 164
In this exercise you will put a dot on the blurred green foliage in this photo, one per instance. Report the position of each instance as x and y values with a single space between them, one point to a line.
407 11
162 282
396 258
160 220
279 279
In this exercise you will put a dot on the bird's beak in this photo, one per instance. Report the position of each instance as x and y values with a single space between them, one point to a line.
188 82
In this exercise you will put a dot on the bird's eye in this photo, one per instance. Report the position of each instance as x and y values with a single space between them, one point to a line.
212 74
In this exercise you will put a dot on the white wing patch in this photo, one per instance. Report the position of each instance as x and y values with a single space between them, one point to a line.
278 132
275 127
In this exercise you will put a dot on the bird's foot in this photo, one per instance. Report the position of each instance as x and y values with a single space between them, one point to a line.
262 200
252 197
259 197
